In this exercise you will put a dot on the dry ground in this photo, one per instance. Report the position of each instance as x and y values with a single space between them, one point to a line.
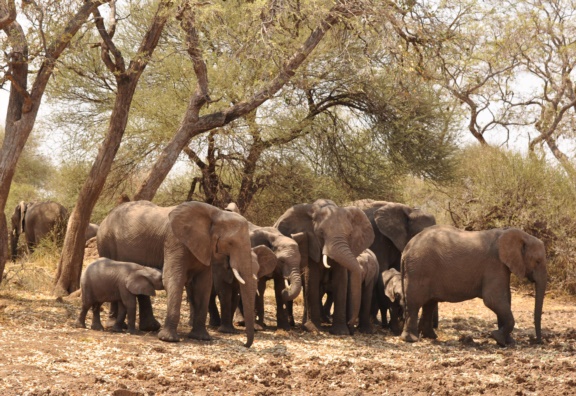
42 354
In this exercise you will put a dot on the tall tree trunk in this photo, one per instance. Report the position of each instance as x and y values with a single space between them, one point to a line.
70 265
23 106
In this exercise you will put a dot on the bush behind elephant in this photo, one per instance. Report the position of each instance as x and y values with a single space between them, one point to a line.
107 280
443 263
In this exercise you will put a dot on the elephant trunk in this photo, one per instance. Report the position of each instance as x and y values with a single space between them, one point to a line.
291 293
340 252
248 294
540 281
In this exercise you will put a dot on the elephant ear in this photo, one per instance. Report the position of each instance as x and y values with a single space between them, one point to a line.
138 283
191 223
392 221
511 248
301 239
267 260
299 219
362 235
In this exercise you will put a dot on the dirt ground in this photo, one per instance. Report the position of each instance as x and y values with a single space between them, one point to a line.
42 354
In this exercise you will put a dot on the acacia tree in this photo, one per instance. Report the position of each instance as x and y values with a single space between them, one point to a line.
25 99
126 78
193 123
548 52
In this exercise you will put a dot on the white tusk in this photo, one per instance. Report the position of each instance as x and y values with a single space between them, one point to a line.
257 293
325 261
287 284
255 277
237 275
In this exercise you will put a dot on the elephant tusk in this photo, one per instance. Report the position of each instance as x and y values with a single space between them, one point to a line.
237 275
255 277
325 261
287 283
257 293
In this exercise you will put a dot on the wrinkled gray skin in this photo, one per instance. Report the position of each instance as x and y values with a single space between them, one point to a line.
443 263
392 281
91 231
227 287
107 280
369 263
340 235
182 240
36 220
394 225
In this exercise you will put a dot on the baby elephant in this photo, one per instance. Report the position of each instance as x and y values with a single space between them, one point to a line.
392 281
369 263
107 280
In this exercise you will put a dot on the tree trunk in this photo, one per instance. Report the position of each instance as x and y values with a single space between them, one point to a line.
23 105
70 265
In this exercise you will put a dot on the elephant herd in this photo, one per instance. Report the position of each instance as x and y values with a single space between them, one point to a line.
351 263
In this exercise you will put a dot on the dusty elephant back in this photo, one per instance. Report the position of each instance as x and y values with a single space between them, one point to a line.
43 217
134 232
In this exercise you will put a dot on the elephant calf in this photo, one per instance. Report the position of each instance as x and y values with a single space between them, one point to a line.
107 280
392 282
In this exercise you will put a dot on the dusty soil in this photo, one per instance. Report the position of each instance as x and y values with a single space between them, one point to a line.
42 354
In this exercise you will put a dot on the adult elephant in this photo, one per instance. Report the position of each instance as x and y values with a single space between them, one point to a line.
283 268
394 225
335 237
36 220
227 288
443 263
182 240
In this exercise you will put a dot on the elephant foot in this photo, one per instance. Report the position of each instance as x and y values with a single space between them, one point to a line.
283 325
117 328
369 329
132 330
227 329
311 327
97 326
201 335
168 335
429 334
341 329
79 325
111 322
240 323
212 323
408 337
259 326
502 339
150 325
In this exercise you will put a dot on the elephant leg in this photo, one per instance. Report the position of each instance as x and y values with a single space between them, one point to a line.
425 325
215 320
289 306
174 281
147 320
312 319
121 315
259 323
435 317
112 314
340 284
379 303
410 333
365 321
96 324
506 322
130 306
239 315
81 322
282 318
227 308
327 307
201 285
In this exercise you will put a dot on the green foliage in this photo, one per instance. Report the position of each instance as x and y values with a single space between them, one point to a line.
500 188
